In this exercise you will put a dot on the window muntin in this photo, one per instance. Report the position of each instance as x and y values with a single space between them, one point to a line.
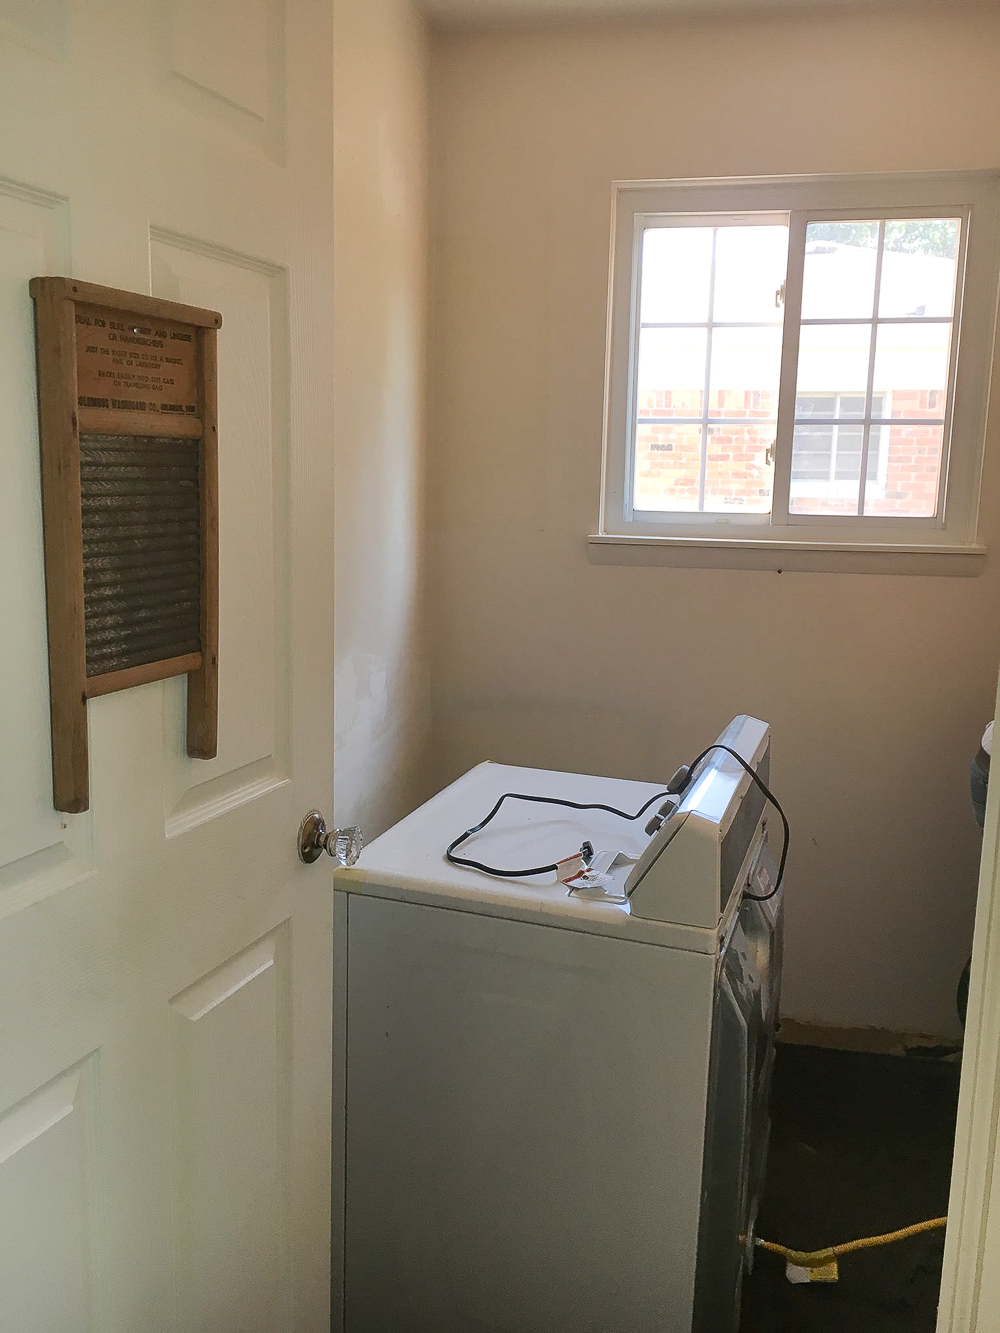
944 426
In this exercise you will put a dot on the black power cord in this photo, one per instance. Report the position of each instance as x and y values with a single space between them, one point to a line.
538 800
768 795
679 783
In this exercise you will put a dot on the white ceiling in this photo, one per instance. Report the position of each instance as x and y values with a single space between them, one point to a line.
476 12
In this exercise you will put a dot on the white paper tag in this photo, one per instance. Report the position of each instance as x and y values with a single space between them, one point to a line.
590 879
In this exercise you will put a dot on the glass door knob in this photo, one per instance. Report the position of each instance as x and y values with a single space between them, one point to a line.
343 844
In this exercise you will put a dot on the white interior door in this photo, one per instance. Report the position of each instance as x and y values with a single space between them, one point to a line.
164 958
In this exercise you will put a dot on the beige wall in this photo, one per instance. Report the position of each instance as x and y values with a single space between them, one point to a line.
877 686
380 117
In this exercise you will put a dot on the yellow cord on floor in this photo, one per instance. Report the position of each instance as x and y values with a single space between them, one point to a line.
820 1258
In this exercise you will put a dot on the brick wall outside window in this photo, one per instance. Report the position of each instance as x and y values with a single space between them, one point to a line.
737 474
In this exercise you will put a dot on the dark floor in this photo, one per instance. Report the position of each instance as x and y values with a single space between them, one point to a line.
860 1144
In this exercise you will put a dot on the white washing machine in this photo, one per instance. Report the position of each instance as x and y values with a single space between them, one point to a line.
552 1099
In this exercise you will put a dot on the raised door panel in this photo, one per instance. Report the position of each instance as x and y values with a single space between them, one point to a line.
231 1067
43 851
253 460
47 1242
224 62
37 24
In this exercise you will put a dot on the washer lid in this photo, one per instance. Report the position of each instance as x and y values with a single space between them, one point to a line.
408 861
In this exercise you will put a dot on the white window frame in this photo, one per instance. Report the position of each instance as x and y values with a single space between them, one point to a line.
974 197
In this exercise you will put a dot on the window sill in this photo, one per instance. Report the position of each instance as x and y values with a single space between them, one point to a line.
812 557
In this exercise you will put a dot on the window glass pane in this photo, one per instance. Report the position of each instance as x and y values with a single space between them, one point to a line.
750 265
910 474
746 364
826 468
671 363
838 281
918 267
812 457
667 467
847 461
911 369
676 275
737 470
833 358
847 454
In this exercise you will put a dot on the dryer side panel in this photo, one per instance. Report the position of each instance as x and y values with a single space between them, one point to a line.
525 1123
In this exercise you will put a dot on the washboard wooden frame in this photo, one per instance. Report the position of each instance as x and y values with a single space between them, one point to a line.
98 645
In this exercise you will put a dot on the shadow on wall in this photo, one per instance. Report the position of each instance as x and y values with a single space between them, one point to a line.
539 735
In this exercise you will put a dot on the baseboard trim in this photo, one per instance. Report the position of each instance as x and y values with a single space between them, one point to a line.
872 1041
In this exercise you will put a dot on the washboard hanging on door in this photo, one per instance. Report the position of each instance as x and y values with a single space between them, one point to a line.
127 408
